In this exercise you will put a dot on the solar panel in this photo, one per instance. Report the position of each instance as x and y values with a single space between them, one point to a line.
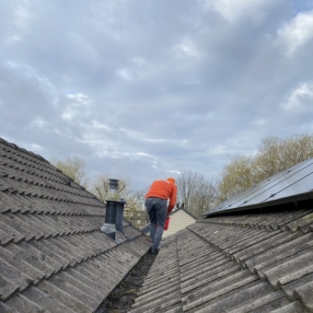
291 184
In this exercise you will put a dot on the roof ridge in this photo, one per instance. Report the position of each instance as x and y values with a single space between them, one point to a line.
16 147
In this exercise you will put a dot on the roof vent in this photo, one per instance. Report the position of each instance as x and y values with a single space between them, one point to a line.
114 211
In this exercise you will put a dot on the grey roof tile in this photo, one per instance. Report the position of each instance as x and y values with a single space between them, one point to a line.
24 304
263 245
52 250
6 309
6 204
162 304
34 257
54 254
217 289
7 285
70 289
131 232
294 243
300 219
83 286
247 298
45 301
63 297
27 221
8 234
12 279
204 277
20 264
294 307
291 264
304 293
290 287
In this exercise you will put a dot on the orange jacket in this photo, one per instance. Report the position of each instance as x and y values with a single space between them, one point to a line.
164 190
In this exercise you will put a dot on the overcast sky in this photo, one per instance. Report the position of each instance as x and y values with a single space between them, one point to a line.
148 89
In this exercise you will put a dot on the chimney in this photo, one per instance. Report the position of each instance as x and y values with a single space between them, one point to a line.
114 211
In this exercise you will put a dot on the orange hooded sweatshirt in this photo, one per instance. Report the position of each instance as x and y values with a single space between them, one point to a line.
164 189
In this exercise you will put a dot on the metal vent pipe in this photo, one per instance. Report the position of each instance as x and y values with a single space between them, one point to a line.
110 218
119 215
114 211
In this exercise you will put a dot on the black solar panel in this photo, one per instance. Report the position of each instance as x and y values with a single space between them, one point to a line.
289 185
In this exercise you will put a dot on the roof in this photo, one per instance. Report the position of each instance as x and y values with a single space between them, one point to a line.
53 256
256 259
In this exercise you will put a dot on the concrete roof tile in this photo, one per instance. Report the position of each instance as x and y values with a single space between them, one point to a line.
15 228
212 253
34 257
7 285
162 304
24 304
35 274
85 280
304 221
205 277
294 307
6 204
11 280
290 287
221 261
286 267
6 309
294 243
8 234
304 293
63 297
263 245
45 301
82 285
76 293
248 298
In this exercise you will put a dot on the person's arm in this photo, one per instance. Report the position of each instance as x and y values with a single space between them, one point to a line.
172 200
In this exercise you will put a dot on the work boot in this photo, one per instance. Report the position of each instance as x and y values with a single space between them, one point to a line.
154 250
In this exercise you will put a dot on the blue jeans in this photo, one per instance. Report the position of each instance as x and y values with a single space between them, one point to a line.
157 211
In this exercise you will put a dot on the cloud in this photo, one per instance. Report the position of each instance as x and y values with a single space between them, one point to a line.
172 86
233 10
186 49
300 99
297 33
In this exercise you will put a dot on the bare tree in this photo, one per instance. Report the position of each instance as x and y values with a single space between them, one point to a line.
100 187
196 192
73 167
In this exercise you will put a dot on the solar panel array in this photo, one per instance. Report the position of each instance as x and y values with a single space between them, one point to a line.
290 185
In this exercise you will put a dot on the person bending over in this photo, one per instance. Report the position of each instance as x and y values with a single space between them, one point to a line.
156 206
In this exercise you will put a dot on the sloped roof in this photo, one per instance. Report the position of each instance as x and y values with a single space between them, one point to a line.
258 260
53 256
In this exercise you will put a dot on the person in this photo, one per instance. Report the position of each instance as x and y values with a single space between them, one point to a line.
157 208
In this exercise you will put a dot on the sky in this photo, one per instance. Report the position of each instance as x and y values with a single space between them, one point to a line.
147 90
